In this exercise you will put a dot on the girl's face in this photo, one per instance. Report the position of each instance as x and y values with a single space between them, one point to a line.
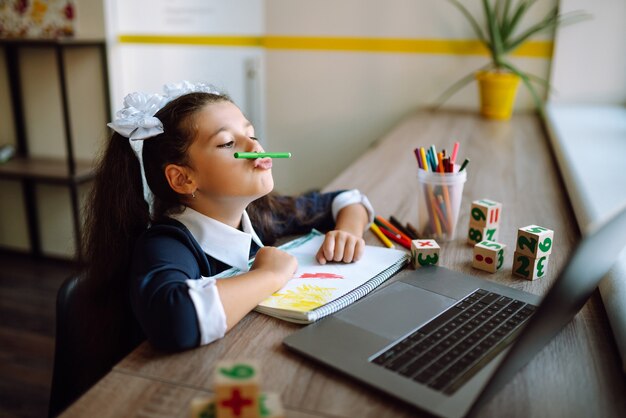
222 130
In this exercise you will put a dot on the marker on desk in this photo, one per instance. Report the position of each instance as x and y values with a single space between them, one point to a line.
455 151
381 236
383 223
253 155
406 243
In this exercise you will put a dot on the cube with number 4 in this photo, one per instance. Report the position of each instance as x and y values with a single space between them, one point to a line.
424 252
488 256
528 267
534 241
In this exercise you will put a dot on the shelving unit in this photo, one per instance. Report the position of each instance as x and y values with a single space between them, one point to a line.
60 171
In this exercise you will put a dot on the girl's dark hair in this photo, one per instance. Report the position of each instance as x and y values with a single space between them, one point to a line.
117 214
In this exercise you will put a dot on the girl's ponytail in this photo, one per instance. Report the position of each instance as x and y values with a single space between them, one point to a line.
115 215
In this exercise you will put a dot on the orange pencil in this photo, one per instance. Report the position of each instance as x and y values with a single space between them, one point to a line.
383 222
397 238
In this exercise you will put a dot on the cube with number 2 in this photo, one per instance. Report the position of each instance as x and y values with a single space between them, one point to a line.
534 241
528 267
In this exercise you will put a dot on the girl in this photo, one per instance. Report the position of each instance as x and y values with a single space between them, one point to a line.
175 207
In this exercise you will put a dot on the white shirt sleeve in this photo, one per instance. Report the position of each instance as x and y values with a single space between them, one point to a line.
209 309
351 197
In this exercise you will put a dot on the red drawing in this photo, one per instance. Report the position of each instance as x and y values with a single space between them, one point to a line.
426 244
320 276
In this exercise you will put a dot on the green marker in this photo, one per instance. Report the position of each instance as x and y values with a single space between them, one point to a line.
253 155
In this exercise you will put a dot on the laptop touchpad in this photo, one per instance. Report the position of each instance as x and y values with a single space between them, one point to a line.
395 310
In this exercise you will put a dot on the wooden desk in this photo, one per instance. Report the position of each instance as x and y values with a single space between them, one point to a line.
578 374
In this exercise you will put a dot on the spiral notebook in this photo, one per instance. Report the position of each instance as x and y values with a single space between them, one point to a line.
316 290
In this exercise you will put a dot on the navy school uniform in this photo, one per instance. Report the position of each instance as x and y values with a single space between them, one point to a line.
172 294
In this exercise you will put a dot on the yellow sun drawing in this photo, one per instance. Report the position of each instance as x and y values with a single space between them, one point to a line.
303 298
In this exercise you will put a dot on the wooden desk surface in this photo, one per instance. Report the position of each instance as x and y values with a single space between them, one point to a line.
578 374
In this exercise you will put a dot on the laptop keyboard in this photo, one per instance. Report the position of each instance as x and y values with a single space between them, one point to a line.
453 347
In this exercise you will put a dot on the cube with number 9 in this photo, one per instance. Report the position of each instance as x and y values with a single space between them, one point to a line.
485 212
237 389
534 241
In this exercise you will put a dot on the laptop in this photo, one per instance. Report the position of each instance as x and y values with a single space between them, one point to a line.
446 341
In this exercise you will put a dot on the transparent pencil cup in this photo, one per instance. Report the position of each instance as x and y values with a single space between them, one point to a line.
439 201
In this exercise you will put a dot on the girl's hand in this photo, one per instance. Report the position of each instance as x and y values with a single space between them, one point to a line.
340 246
282 265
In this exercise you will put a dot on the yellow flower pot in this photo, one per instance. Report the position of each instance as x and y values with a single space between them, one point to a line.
497 93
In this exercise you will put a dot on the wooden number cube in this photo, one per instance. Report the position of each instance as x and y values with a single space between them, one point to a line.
202 408
528 267
270 405
424 252
237 389
478 233
534 241
485 212
488 256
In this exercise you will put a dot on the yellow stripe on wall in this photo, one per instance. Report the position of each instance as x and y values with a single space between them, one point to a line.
534 49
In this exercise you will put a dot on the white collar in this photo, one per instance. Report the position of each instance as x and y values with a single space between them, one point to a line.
221 241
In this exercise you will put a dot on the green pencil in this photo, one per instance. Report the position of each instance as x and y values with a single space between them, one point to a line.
253 155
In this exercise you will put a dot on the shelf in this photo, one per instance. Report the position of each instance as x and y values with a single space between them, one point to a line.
52 42
47 170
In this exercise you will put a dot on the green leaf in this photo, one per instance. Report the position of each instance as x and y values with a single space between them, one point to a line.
458 86
522 7
527 83
504 20
494 33
549 21
471 20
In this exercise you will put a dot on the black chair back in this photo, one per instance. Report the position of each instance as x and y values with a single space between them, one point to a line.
92 334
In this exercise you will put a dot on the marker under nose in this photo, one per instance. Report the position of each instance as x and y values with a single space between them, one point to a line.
253 155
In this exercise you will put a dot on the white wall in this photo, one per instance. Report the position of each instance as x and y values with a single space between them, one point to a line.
327 107
147 67
589 62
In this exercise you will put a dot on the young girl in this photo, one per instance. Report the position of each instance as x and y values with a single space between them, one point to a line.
172 207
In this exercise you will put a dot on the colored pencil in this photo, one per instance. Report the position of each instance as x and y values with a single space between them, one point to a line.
397 238
395 222
252 155
412 230
382 222
381 236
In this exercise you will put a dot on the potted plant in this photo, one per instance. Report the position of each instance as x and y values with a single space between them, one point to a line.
501 35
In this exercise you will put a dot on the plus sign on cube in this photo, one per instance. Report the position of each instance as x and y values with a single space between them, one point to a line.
270 406
424 252
237 389
530 268
534 241
488 256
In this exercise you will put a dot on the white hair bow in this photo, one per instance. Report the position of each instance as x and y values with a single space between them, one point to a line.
136 121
